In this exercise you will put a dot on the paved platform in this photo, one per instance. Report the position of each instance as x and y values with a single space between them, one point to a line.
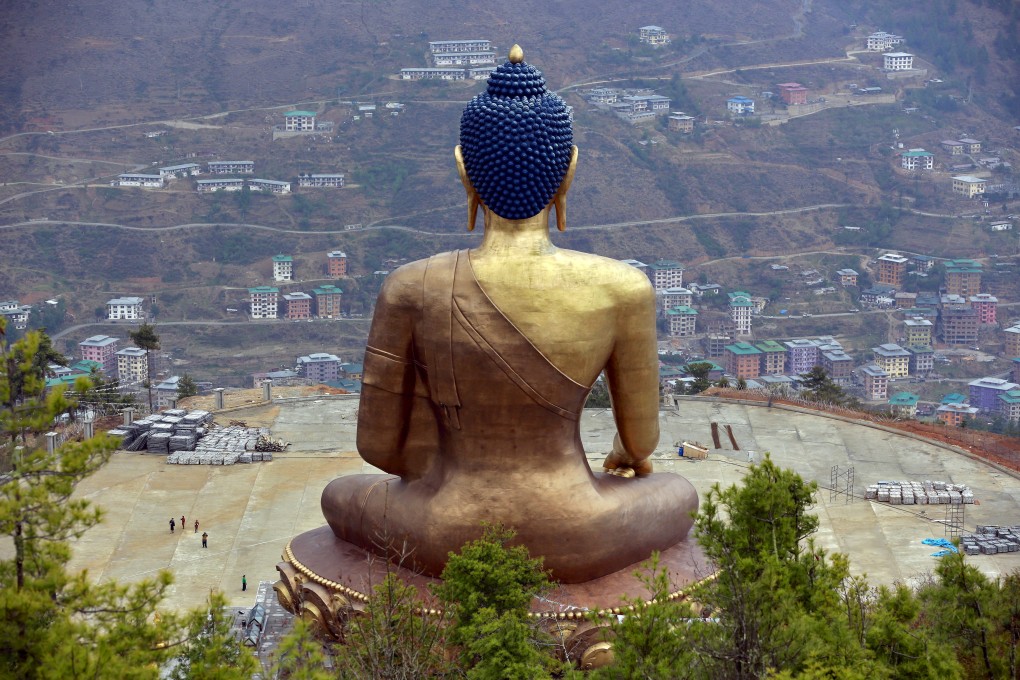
252 511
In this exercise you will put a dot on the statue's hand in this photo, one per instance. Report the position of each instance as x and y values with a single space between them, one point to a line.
620 464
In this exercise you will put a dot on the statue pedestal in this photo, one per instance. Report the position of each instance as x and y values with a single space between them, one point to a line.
326 581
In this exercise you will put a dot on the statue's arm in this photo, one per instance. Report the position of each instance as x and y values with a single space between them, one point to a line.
388 384
632 375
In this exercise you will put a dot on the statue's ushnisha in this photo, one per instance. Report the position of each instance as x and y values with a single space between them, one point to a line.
479 362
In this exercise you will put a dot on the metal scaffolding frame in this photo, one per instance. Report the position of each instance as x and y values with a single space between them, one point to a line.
841 483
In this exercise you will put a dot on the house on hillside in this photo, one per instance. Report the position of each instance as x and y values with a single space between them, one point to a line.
299 121
653 35
231 167
897 61
917 159
740 106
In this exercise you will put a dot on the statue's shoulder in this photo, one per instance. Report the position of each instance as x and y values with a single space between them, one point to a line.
623 279
403 285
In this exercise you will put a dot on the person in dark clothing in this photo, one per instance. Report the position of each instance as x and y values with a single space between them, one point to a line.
244 582
205 540
172 525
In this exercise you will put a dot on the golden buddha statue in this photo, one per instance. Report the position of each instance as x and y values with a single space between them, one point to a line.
479 362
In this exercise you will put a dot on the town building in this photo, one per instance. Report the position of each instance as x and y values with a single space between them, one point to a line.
963 277
666 274
772 358
743 360
741 309
335 180
715 344
917 159
132 366
903 404
1011 341
971 145
453 46
1009 406
134 179
892 269
880 41
211 185
875 381
16 316
985 305
681 122
336 264
740 106
165 393
231 167
271 186
801 355
676 297
954 415
904 300
897 61
603 95
352 371
893 359
284 378
653 35
918 331
922 359
297 306
847 277
299 121
319 366
952 147
283 268
264 302
464 59
124 308
880 295
182 170
984 392
793 93
328 301
958 325
432 73
969 185
837 364
101 349
682 321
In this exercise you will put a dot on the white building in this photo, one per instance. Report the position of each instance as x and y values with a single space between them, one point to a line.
16 315
433 73
740 105
464 59
448 46
231 167
182 170
321 180
917 159
128 308
897 61
283 267
676 297
682 321
209 185
132 366
299 121
882 41
133 179
269 185
265 301
166 392
653 35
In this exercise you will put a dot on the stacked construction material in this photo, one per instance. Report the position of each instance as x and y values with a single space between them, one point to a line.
163 433
991 539
920 493
229 445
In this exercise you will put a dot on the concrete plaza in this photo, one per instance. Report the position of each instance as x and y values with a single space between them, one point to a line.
252 511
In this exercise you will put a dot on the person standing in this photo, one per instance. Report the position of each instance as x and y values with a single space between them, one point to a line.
205 540
171 525
183 523
196 526
244 582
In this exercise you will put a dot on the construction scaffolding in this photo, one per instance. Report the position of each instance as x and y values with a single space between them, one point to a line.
841 483
954 519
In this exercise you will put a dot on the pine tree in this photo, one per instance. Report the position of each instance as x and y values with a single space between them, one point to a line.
146 338
186 387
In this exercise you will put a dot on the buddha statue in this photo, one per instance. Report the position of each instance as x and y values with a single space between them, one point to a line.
479 362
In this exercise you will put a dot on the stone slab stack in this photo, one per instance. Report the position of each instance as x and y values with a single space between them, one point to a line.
920 493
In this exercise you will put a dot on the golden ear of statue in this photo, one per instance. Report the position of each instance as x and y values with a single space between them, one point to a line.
560 198
473 200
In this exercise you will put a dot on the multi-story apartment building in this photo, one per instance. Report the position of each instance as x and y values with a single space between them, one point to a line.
336 264
963 277
448 46
954 415
741 309
681 122
676 297
743 360
971 145
801 355
283 267
165 393
124 308
903 404
101 349
299 121
892 269
1011 341
682 321
847 277
984 392
265 302
1009 405
793 93
876 382
897 61
231 167
328 300
132 366
880 41
182 170
922 359
334 180
319 366
893 359
918 331
772 358
297 306
917 159
969 185
272 186
986 306
666 274
837 364
958 325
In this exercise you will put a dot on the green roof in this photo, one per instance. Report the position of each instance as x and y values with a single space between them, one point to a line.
682 309
770 346
300 113
666 264
327 289
1011 397
954 398
903 399
743 348
917 154
263 289
964 266
282 258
